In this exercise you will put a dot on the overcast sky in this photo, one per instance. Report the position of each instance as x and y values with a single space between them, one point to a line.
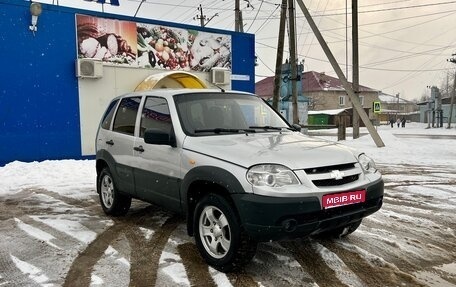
403 45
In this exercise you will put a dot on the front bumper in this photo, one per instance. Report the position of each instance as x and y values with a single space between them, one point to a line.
274 218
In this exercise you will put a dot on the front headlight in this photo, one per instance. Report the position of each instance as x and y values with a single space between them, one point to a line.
272 175
367 163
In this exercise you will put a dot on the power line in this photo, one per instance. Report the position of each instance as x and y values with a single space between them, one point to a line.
267 20
170 10
319 21
256 15
369 5
177 6
380 10
258 57
411 55
402 70
392 9
403 28
369 68
380 22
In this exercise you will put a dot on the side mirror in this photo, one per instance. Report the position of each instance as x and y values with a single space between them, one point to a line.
159 137
296 127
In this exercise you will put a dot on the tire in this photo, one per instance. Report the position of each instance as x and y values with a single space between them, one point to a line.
112 201
219 236
341 231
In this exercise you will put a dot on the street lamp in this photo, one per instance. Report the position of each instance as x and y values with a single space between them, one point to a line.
35 10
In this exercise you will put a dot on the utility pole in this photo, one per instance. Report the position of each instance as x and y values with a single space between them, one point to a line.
279 60
430 108
238 23
293 61
373 132
452 60
355 65
203 17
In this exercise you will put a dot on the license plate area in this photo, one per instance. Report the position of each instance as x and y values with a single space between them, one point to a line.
344 198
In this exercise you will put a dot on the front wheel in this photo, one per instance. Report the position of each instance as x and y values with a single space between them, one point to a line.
112 201
219 236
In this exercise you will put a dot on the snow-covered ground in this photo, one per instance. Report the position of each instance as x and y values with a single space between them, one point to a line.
53 232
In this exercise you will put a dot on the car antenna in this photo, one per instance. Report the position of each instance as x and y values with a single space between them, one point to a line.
221 89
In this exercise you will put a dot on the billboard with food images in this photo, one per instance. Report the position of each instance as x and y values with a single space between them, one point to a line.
151 46
111 41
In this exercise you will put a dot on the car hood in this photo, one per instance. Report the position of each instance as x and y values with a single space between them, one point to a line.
291 149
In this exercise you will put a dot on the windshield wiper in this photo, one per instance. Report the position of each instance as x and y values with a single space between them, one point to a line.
266 128
223 130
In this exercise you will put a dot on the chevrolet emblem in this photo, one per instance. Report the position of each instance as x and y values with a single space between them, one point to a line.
337 174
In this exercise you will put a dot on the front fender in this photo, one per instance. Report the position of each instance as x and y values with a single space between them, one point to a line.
226 182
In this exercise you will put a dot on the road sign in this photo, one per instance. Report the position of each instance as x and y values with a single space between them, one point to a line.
377 107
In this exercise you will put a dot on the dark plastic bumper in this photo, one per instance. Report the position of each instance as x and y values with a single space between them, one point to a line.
274 218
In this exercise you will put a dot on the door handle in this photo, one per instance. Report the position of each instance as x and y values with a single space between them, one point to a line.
110 142
139 148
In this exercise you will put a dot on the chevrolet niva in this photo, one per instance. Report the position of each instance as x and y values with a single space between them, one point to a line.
237 171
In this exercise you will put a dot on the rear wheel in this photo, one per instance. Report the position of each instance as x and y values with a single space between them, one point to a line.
219 236
112 201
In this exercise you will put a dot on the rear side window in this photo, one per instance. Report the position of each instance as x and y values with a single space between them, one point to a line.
155 115
125 119
107 117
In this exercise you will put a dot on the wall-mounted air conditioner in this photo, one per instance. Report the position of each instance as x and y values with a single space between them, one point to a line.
89 68
220 76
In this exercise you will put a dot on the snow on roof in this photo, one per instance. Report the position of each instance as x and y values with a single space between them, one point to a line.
326 112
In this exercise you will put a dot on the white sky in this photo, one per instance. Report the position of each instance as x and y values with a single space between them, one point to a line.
404 45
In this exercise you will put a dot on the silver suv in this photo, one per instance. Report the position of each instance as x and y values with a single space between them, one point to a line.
236 170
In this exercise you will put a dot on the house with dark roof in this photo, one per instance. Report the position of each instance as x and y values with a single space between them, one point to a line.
324 92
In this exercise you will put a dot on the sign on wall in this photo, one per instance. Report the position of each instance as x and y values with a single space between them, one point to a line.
112 2
151 46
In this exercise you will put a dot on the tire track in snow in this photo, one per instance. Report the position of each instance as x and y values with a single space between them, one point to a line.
145 256
61 239
241 279
378 275
197 269
144 268
90 205
34 273
10 274
80 272
410 231
313 263
445 218
274 265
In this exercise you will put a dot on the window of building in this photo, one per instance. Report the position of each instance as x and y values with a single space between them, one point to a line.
361 100
341 100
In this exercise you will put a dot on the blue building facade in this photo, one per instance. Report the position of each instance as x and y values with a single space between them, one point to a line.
39 91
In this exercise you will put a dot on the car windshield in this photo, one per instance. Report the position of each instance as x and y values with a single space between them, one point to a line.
221 113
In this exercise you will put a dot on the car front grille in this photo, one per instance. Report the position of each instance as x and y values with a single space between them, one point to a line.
334 175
